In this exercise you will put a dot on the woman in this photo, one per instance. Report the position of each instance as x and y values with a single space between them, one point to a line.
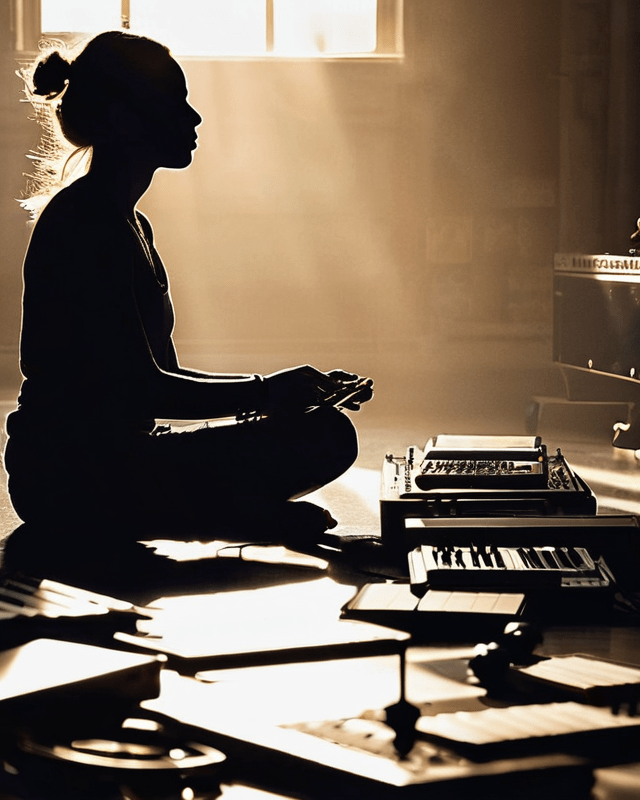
97 353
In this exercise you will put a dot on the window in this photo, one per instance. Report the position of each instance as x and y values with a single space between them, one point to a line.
232 28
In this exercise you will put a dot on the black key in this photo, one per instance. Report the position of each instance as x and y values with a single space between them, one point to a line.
524 555
497 557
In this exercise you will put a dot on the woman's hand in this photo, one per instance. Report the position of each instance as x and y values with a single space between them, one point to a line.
303 388
353 390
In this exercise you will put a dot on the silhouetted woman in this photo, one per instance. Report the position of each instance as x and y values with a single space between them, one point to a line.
97 353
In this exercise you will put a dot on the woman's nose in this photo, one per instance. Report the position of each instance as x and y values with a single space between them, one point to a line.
197 119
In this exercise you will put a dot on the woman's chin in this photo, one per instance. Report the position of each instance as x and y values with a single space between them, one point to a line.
187 158
178 162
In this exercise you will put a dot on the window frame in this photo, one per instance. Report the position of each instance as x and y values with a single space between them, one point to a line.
26 34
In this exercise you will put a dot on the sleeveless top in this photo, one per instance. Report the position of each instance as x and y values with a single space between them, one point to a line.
96 346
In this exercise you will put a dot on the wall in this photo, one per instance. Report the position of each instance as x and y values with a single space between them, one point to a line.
17 136
397 219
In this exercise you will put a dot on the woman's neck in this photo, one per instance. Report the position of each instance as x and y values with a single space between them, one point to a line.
120 178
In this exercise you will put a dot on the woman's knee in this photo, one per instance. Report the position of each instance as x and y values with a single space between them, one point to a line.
332 442
342 432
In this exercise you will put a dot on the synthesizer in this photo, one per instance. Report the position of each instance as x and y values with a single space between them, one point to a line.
478 476
483 462
569 568
493 567
465 577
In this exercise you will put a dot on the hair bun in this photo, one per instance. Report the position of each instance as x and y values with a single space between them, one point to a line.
51 75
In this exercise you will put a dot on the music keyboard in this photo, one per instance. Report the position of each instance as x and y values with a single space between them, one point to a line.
493 566
34 608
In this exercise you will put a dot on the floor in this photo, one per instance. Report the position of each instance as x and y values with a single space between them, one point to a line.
612 474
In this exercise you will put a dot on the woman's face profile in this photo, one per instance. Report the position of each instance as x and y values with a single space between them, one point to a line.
164 128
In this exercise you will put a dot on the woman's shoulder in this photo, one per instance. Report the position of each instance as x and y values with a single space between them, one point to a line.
77 202
77 219
77 230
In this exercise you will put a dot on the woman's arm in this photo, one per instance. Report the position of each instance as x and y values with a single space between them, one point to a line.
83 330
82 326
176 368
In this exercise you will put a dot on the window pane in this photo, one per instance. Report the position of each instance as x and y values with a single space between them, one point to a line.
209 28
79 16
203 27
307 27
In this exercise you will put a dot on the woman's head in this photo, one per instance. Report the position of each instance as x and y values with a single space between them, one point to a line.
114 76
120 91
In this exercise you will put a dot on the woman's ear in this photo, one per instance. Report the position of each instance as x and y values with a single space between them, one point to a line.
124 124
